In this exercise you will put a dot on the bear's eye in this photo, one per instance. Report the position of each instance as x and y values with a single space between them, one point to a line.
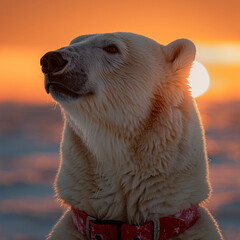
112 49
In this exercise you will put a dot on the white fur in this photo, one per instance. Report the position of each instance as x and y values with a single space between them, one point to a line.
134 150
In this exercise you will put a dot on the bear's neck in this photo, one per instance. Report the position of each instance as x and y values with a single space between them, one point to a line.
112 178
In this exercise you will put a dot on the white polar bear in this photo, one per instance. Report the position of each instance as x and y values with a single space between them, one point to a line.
133 148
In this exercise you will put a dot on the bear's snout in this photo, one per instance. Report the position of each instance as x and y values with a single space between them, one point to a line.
62 79
53 62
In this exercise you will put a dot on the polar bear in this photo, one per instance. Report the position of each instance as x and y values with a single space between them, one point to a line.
133 148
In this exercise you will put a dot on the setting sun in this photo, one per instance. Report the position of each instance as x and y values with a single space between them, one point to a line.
198 79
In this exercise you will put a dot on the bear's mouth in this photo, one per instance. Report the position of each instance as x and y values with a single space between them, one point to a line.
66 87
60 90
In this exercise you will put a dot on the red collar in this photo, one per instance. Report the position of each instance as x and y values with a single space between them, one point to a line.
161 229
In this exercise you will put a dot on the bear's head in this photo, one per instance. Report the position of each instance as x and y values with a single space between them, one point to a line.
115 78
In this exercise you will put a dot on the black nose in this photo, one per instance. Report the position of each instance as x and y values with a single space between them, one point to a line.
52 62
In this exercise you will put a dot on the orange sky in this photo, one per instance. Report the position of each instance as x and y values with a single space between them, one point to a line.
31 28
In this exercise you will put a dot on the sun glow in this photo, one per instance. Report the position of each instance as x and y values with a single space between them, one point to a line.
199 79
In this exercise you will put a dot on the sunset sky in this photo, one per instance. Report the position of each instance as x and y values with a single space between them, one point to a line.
31 28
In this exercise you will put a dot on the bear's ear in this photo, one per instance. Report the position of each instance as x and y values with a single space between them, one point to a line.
180 53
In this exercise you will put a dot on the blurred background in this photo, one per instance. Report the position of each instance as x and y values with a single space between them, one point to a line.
31 124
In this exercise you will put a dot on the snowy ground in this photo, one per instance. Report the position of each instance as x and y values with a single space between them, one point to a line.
29 144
